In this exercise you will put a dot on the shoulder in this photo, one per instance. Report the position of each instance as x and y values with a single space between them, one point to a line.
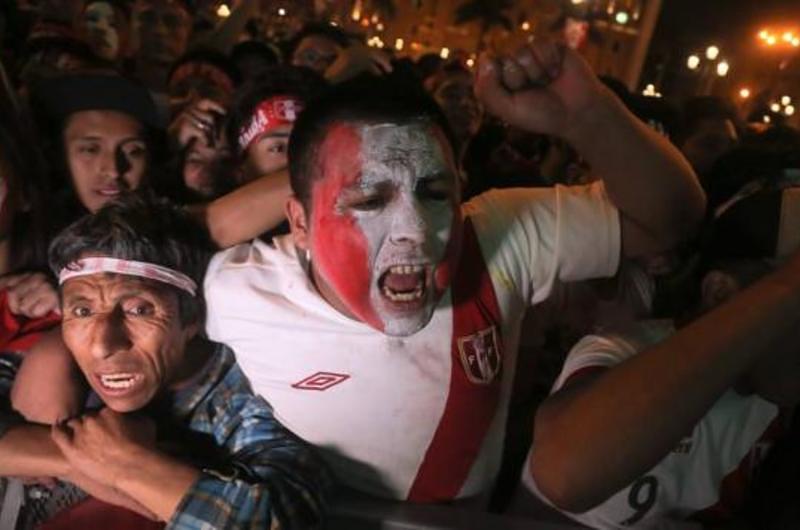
254 261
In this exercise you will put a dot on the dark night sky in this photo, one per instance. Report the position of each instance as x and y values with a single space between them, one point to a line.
687 26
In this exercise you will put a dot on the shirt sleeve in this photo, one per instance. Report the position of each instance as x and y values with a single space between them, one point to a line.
533 237
270 480
601 351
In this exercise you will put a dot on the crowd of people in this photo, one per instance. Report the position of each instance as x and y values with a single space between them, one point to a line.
242 279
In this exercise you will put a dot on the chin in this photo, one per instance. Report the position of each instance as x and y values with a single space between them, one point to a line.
407 325
124 406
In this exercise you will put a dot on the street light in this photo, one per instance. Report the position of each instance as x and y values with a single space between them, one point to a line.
722 68
786 100
622 18
789 110
744 93
693 62
712 52
223 11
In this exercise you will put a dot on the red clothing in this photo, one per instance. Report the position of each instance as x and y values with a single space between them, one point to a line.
19 333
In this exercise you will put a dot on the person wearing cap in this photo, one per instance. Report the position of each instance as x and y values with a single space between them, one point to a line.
129 278
105 127
701 466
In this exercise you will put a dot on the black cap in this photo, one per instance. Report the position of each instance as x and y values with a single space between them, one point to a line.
65 95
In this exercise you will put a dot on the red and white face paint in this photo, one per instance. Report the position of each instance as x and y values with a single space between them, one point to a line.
385 222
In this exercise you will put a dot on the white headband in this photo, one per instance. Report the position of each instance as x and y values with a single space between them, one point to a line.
86 266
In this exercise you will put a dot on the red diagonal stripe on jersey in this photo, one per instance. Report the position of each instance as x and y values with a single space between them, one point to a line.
470 407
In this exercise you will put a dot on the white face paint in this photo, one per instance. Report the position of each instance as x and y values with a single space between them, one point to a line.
101 29
395 210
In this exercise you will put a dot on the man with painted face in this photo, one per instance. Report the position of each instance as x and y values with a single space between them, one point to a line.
391 313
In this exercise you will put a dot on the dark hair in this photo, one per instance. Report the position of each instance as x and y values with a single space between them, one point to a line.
259 49
302 83
208 56
141 227
21 165
366 99
699 109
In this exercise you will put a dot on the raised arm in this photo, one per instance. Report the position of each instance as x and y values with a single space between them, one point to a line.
547 88
246 212
598 435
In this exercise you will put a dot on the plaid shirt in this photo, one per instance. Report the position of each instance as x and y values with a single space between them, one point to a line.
256 474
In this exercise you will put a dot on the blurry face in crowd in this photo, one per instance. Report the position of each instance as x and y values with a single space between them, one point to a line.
198 167
198 80
708 142
126 336
106 155
105 29
316 52
384 222
458 101
163 29
268 153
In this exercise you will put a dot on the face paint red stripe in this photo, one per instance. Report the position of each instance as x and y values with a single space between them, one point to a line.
338 245
471 403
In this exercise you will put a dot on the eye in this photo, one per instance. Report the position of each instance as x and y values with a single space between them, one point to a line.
366 204
139 309
278 149
81 311
136 151
434 189
88 149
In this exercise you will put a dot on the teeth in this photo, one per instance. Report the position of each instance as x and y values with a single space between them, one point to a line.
403 297
118 381
406 269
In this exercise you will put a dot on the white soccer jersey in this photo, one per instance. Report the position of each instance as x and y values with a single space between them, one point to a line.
722 450
420 417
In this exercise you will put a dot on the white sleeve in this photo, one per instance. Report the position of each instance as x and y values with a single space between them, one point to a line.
533 237
594 351
613 347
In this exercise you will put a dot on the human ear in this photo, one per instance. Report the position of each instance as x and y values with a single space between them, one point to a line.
298 222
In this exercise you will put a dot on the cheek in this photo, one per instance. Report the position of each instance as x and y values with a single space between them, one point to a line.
341 252
135 175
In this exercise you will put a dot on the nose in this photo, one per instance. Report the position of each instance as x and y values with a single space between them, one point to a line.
111 335
408 223
109 166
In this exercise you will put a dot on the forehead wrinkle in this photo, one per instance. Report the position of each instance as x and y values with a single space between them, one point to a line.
411 147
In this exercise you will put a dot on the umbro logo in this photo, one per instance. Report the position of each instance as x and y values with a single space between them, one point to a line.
321 381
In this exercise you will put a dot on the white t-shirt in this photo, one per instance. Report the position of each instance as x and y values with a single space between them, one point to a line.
717 458
420 417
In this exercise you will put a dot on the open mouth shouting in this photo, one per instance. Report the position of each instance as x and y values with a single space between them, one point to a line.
119 383
405 286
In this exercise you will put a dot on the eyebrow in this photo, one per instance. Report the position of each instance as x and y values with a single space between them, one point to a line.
74 299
